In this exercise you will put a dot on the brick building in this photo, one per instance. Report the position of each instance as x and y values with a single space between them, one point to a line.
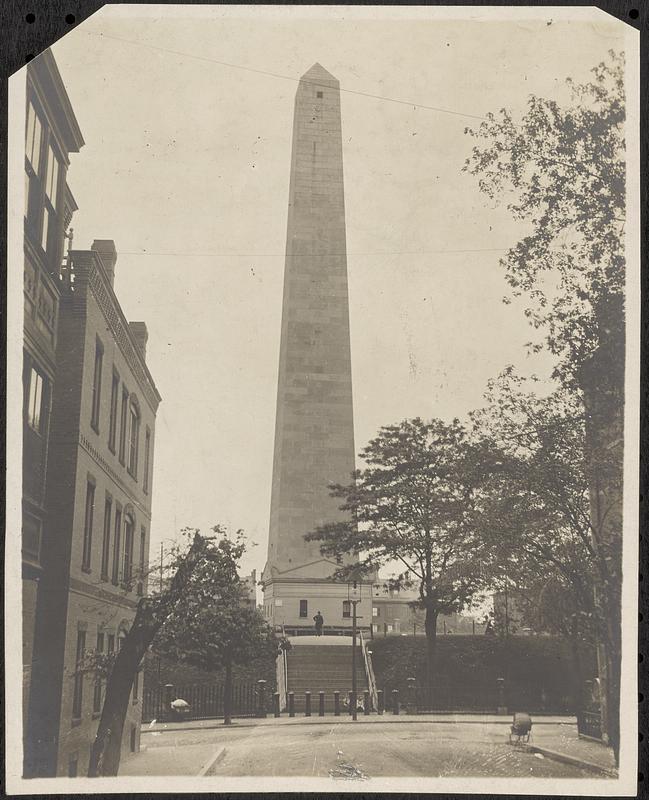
51 135
96 543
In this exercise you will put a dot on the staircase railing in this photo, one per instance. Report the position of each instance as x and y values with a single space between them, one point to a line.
369 671
281 672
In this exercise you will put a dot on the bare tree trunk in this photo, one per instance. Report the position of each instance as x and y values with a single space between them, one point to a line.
431 650
227 694
578 671
106 750
149 618
602 381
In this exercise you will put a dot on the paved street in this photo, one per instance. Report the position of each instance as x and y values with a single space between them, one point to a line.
342 749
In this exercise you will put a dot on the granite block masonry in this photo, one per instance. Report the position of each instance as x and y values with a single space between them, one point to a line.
314 431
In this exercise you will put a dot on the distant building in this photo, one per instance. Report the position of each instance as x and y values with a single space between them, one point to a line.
95 549
51 135
393 614
514 615
250 588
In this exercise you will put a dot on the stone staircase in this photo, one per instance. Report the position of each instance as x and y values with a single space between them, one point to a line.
323 668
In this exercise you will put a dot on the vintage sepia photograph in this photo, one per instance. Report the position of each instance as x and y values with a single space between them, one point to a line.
323 402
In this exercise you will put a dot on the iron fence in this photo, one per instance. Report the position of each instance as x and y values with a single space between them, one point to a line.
205 701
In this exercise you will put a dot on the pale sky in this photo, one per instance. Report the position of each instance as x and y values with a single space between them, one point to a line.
189 158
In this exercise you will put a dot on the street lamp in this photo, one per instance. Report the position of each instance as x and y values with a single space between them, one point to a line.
354 597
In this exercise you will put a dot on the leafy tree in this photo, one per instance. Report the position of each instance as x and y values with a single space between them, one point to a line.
411 506
216 629
563 169
202 573
536 513
150 615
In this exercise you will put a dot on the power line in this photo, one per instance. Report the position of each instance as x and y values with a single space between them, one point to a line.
312 255
536 156
285 77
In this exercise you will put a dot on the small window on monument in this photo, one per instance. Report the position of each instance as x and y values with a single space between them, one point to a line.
319 94
303 608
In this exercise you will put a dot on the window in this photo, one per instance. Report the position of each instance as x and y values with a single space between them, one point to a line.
136 686
318 94
303 608
123 422
45 228
116 543
96 697
35 401
52 178
33 138
87 529
133 439
133 738
127 566
140 585
347 608
105 545
114 397
96 385
147 456
77 697
110 643
376 612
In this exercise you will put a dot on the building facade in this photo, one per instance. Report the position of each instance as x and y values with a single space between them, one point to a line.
51 135
314 429
393 614
95 549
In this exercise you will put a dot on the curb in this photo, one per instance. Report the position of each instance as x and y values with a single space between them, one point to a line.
213 760
387 719
572 760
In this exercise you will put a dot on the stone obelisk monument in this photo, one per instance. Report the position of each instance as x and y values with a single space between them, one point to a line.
314 430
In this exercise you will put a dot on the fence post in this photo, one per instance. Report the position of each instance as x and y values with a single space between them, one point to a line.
307 704
291 704
411 706
502 708
336 704
395 701
276 703
379 702
321 704
366 703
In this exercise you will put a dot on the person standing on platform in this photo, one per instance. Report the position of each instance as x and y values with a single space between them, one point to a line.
319 622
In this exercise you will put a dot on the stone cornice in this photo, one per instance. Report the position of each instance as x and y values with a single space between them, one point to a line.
97 592
47 80
94 453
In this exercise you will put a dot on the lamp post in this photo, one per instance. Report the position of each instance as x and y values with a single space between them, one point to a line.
354 597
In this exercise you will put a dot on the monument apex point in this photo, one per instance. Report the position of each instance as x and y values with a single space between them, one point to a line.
318 73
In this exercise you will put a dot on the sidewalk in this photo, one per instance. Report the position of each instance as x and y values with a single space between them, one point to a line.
568 747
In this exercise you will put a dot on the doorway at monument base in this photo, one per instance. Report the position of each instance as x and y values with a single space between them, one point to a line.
292 602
